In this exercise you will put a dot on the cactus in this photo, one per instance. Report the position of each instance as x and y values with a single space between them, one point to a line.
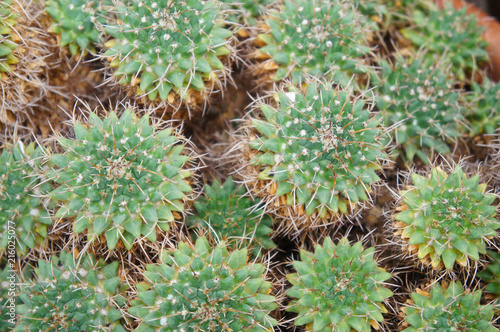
447 308
76 22
8 20
449 33
313 156
483 107
170 50
23 209
491 274
203 289
73 294
312 38
417 97
121 178
446 218
246 11
227 214
338 288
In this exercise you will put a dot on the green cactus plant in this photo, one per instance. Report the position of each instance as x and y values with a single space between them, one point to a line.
73 294
314 155
447 308
23 208
226 214
76 21
491 274
312 38
197 288
8 20
448 33
483 107
415 96
9 292
121 178
446 218
338 288
170 51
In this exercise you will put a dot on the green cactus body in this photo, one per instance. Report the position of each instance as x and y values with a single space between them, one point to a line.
417 97
448 308
446 218
491 275
316 152
338 288
9 297
8 20
313 38
203 289
169 46
76 22
23 210
121 178
451 34
72 295
227 214
483 107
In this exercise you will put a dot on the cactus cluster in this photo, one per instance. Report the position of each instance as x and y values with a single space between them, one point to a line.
169 51
416 96
121 178
72 294
23 206
312 38
447 307
315 153
339 287
199 288
226 213
446 218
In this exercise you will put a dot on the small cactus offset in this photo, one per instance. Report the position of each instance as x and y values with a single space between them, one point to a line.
76 22
170 51
416 97
121 178
446 218
491 274
447 307
23 207
73 294
338 288
314 155
226 214
483 107
312 38
197 288
448 33
8 20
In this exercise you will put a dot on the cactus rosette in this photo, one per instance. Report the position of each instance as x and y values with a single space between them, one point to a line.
447 307
23 207
314 155
416 97
339 287
171 52
311 38
226 213
446 218
199 288
73 294
121 178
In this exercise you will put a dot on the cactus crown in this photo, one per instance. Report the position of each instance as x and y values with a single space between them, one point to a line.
491 275
76 21
448 308
418 98
446 218
8 19
227 214
321 147
121 177
203 289
449 33
318 38
21 191
338 288
73 296
169 46
483 107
